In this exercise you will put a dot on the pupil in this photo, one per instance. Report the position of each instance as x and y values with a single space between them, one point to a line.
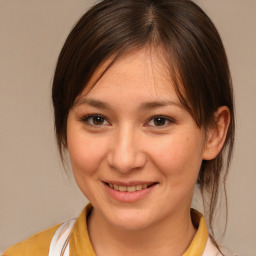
98 120
159 121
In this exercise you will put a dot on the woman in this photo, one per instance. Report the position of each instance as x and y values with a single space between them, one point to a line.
143 104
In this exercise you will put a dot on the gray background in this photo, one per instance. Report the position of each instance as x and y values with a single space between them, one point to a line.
35 192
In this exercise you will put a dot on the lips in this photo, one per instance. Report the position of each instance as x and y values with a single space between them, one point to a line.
132 188
129 192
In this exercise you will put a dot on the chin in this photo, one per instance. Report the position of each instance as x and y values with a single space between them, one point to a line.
131 224
130 219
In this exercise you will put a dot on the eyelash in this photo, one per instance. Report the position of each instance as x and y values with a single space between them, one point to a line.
166 119
89 118
86 119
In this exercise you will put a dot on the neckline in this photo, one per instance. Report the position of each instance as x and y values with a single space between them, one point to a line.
80 243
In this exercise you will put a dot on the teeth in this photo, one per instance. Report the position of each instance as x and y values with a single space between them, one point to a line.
122 188
138 187
129 188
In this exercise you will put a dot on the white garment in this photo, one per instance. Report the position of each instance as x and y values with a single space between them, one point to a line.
211 249
60 242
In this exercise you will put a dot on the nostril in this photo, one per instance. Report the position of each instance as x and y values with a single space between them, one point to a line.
125 161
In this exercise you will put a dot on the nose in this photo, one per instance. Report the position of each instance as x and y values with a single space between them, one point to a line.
126 152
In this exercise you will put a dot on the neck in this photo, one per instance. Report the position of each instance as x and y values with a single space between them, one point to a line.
171 236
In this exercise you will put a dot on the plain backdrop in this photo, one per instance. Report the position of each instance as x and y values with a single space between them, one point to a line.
35 192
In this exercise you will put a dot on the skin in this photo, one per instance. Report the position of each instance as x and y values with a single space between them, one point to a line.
128 146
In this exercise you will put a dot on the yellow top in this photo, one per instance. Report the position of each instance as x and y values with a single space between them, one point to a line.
80 242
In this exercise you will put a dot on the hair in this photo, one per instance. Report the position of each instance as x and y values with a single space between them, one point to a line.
192 51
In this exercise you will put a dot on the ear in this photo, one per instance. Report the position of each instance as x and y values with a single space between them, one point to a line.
216 133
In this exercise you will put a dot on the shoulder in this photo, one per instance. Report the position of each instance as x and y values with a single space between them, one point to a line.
37 244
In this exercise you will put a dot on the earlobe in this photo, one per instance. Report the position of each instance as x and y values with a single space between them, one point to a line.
216 134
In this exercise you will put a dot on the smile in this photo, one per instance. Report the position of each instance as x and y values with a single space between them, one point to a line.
129 188
129 192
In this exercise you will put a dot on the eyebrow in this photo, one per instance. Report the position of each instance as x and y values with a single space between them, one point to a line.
92 102
145 106
157 104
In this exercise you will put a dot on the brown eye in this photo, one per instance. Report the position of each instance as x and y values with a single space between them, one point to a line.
159 121
98 120
95 120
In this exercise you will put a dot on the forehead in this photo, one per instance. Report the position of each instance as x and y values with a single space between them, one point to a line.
138 74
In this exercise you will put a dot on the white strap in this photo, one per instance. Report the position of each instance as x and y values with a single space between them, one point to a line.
60 244
211 249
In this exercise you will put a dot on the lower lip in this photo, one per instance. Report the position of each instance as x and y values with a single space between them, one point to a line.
129 197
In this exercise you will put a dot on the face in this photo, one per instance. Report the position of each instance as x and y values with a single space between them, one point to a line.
135 151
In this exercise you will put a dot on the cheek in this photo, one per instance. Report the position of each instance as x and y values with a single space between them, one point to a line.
179 157
86 153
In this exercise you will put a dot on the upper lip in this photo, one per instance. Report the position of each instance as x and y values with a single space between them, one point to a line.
129 183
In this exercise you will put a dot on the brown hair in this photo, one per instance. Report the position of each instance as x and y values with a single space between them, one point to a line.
192 50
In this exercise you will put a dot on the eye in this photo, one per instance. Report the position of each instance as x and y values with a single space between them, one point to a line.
160 121
95 120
